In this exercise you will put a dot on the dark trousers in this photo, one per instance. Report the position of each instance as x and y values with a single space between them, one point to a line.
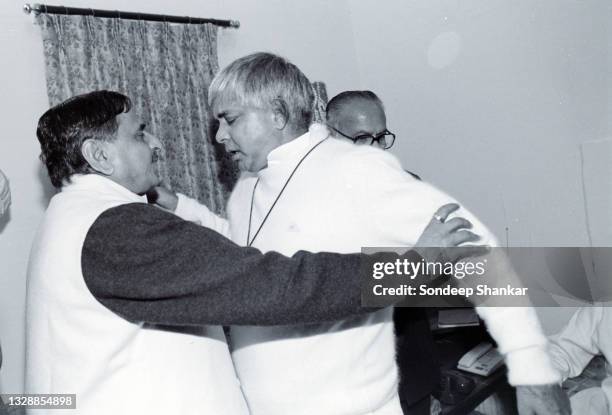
417 408
417 362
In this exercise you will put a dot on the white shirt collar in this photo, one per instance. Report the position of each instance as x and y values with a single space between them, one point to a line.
99 183
296 148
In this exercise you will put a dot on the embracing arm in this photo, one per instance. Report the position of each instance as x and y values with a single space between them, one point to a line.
151 266
193 211
396 202
188 209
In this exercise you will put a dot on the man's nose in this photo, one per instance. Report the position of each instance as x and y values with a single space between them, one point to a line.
153 141
222 134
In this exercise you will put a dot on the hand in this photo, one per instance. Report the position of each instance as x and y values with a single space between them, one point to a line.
542 400
163 197
441 234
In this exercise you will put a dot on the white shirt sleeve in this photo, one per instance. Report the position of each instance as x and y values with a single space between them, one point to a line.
401 209
573 348
193 211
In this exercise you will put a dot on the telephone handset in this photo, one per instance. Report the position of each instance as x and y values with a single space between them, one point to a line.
483 360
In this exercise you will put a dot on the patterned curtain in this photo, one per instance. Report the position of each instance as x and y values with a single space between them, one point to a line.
320 102
166 70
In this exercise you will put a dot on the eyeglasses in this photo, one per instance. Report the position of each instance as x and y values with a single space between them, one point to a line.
384 139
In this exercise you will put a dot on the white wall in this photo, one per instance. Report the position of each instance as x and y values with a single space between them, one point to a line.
491 99
22 101
305 32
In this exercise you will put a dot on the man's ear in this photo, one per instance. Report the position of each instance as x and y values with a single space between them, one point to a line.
280 112
96 155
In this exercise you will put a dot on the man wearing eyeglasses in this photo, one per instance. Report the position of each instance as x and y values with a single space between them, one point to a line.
359 116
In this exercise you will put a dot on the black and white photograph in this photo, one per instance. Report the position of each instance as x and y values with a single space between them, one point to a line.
267 207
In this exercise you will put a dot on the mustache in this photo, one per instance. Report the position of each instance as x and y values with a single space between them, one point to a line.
157 155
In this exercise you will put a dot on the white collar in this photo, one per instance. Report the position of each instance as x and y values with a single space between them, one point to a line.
296 148
101 184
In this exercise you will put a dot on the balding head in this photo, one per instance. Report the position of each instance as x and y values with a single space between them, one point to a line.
356 113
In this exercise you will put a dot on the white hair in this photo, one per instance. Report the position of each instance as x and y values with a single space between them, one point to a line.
264 80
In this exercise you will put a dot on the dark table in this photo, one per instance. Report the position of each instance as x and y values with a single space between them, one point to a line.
451 344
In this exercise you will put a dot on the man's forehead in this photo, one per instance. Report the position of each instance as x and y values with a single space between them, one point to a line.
237 108
129 119
127 116
362 108
363 116
224 108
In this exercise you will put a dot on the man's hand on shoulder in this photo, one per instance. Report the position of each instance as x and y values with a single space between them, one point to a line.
163 197
542 400
441 239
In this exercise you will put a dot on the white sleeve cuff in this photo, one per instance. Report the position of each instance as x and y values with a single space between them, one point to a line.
193 211
188 209
520 339
531 366
513 328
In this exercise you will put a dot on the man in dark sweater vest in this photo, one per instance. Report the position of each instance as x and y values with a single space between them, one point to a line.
123 296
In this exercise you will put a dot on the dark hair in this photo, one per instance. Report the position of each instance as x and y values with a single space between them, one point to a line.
347 97
63 129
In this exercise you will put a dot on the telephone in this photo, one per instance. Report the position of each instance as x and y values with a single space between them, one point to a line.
482 360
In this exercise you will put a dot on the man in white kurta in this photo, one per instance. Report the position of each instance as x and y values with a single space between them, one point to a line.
586 335
341 198
307 191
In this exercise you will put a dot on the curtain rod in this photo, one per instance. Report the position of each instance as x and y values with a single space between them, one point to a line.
44 8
